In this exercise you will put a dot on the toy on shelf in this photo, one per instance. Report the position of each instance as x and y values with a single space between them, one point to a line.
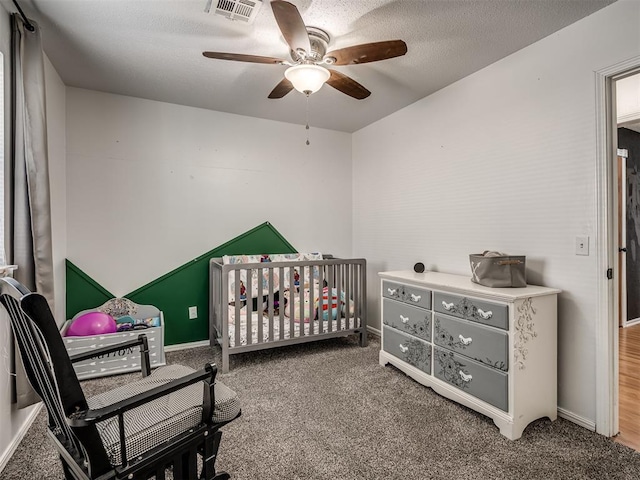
92 323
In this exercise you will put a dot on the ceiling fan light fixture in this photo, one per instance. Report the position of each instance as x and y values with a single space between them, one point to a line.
307 78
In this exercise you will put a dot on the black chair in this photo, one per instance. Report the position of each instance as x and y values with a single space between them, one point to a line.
169 421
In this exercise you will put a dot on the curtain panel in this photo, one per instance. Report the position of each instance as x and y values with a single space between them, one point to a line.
29 211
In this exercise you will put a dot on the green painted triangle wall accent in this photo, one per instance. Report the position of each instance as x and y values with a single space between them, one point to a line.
188 285
82 292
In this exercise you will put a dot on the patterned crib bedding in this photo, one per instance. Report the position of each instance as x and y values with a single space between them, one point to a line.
291 328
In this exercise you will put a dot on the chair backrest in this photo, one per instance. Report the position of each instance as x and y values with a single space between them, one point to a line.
51 373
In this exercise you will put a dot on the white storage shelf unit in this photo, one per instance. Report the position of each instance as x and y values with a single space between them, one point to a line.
123 360
493 350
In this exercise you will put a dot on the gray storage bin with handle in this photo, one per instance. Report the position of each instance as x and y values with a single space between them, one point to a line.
498 270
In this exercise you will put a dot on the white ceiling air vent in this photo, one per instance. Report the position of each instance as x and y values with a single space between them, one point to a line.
243 10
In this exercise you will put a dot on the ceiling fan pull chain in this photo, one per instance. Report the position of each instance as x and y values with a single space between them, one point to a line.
307 126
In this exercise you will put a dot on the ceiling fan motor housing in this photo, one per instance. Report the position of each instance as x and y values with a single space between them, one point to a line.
319 40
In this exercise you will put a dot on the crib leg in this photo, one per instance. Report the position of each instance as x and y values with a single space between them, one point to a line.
363 337
225 359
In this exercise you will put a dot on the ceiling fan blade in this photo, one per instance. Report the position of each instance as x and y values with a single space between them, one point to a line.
291 25
347 85
239 57
368 52
284 87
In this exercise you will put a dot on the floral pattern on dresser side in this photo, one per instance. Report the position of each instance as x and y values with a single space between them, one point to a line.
524 331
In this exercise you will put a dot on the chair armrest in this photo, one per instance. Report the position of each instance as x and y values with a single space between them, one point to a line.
87 417
144 352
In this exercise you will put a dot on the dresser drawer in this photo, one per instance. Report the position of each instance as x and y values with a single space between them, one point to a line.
407 318
484 344
409 349
486 313
406 293
485 383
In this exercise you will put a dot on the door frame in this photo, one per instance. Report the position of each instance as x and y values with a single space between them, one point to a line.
623 155
621 175
607 313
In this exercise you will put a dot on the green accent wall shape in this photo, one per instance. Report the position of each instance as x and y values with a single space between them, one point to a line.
82 292
188 285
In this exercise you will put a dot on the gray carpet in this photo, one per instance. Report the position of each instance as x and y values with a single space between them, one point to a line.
327 410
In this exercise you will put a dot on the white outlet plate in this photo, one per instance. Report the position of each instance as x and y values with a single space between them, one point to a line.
582 245
193 313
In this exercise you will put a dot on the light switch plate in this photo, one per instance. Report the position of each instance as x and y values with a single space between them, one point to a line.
582 245
193 313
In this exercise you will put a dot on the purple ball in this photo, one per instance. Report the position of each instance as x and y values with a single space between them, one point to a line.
92 323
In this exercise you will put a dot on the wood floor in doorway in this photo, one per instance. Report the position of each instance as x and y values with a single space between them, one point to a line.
629 383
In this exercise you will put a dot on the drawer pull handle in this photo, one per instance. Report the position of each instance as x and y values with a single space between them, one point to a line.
403 348
447 306
486 315
392 291
465 378
465 341
415 298
404 319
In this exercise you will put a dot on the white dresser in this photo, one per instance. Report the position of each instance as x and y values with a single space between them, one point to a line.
493 350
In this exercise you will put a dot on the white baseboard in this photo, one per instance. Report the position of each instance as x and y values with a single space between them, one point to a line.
375 331
11 448
185 346
577 419
632 322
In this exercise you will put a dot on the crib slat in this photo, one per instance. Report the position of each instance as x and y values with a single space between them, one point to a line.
339 296
357 288
281 305
270 306
249 306
292 305
259 298
311 309
238 306
330 287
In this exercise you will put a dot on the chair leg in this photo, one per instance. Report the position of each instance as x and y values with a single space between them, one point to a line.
210 453
67 472
189 464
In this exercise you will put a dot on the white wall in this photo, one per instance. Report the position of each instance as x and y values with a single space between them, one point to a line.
503 160
151 185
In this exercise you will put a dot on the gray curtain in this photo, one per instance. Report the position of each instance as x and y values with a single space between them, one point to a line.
29 222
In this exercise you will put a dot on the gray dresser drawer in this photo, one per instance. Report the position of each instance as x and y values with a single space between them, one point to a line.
392 290
407 293
484 344
409 349
485 383
406 318
417 296
487 313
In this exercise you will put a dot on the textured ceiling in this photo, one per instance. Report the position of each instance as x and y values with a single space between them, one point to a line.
153 49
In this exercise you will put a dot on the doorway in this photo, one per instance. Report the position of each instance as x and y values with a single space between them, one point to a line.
628 232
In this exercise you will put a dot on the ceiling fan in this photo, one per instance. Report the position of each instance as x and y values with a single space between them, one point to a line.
308 70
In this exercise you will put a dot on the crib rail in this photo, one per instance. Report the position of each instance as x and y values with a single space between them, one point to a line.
282 309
